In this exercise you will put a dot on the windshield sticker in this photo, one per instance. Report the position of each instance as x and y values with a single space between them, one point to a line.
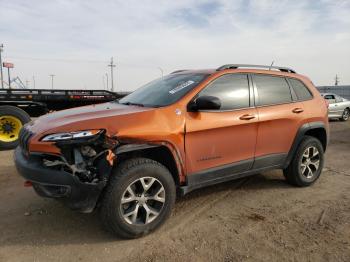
182 86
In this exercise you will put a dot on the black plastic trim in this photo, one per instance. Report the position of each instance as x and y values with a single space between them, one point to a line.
270 160
233 171
134 147
78 195
299 136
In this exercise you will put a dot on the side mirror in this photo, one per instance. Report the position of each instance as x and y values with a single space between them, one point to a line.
204 103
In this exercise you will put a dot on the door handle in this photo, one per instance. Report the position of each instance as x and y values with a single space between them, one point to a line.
297 110
247 117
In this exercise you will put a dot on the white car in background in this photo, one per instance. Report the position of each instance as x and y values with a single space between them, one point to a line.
339 107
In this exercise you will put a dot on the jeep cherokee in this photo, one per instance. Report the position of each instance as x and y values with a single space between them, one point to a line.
187 130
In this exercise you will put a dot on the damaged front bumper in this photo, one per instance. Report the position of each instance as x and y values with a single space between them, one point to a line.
58 184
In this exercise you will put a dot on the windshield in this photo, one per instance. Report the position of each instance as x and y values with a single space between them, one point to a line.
163 91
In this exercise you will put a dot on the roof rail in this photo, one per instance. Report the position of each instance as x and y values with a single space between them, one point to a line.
178 71
236 66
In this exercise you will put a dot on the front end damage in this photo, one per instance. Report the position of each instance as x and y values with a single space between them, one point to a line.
77 176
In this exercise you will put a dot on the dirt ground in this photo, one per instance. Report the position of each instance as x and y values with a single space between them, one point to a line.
256 219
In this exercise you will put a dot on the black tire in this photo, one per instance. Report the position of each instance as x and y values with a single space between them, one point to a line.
18 113
123 176
346 115
293 173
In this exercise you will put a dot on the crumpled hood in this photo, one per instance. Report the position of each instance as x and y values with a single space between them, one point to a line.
86 117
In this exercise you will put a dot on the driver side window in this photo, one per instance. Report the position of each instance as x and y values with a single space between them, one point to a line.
231 89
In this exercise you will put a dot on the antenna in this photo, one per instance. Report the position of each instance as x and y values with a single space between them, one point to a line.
271 65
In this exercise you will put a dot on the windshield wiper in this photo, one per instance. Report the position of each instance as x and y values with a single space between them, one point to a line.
133 104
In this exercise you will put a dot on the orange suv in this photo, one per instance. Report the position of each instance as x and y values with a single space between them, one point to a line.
187 130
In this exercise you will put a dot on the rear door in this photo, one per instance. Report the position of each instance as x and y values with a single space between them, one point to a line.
222 142
279 119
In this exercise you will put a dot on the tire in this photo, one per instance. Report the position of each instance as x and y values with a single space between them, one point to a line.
17 118
294 173
128 176
346 115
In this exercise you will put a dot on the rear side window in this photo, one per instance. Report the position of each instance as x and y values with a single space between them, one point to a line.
272 90
300 89
231 89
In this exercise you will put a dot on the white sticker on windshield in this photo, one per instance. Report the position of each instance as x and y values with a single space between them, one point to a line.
182 86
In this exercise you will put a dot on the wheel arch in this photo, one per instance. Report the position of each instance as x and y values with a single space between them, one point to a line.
313 129
157 152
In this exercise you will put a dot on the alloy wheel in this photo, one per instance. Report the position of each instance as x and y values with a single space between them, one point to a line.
346 114
142 201
310 162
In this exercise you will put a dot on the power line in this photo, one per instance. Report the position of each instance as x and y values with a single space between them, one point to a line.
57 60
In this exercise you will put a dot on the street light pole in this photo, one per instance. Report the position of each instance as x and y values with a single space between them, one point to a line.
111 65
2 75
161 70
52 81
8 72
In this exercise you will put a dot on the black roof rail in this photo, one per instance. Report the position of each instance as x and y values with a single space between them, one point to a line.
178 71
236 66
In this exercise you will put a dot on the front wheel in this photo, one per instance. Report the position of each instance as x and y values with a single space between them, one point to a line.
346 115
307 163
138 199
11 121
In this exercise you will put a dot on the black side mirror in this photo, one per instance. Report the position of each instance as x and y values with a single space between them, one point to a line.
204 103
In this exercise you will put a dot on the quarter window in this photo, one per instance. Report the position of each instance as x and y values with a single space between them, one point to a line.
300 89
231 89
272 90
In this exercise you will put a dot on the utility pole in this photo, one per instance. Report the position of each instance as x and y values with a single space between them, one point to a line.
111 65
51 80
2 75
33 82
336 80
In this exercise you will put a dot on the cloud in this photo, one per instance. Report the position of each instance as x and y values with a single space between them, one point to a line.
311 36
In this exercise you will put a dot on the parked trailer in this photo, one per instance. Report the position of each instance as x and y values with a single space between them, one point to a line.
18 105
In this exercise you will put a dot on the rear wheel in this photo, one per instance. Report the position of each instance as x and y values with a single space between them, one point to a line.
138 199
11 121
307 163
346 115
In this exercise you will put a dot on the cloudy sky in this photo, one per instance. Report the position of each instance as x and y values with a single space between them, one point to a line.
74 40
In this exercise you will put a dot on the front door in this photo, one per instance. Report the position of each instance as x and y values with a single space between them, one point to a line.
222 142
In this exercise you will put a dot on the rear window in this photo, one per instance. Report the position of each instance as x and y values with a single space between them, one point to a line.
300 89
272 90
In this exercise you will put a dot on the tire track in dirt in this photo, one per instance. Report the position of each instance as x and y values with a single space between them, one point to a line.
204 205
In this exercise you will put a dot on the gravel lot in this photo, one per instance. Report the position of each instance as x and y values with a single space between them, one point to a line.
256 219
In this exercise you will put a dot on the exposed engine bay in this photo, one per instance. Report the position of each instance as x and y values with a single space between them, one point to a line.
91 160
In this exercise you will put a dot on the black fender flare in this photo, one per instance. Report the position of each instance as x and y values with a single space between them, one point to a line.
299 136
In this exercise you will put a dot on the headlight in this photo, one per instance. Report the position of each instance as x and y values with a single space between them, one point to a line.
70 135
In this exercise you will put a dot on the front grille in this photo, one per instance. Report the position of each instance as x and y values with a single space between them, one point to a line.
24 136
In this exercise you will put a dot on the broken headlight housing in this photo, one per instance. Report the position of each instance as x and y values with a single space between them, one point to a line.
71 135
